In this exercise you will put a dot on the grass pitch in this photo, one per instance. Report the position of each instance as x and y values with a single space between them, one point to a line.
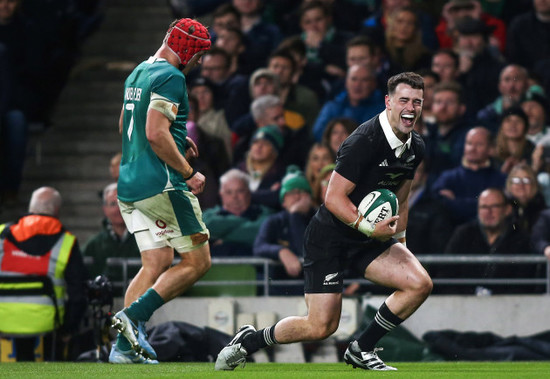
420 370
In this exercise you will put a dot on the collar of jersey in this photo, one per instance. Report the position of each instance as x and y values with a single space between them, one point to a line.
153 60
395 143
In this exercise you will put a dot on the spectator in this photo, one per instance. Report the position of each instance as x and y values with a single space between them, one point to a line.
264 166
522 48
319 188
38 244
455 10
375 25
363 51
536 108
113 240
360 101
213 159
527 201
319 156
337 130
429 226
262 37
445 140
513 87
540 235
492 233
281 235
114 166
231 39
268 110
403 42
325 45
346 15
476 170
230 89
224 16
478 66
512 145
431 79
300 103
210 120
262 82
234 225
445 64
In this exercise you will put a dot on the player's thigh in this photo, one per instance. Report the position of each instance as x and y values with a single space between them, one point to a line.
324 308
397 268
158 259
198 257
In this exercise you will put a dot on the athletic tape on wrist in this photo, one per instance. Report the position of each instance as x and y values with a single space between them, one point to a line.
361 224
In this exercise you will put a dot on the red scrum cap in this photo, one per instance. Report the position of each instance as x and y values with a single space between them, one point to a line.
186 38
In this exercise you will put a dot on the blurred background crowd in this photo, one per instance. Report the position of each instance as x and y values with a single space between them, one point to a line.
283 85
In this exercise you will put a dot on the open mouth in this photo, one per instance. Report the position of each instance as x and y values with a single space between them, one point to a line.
407 119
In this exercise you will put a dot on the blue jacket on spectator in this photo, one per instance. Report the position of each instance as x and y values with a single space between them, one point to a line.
466 184
341 107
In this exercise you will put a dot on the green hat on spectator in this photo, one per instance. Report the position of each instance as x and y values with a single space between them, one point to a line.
272 134
294 179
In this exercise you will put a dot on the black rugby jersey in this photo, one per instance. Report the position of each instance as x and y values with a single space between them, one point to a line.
366 159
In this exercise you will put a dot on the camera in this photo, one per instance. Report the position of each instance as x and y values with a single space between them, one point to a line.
100 291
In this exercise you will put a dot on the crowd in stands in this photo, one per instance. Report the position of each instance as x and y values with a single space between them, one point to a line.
291 80
285 82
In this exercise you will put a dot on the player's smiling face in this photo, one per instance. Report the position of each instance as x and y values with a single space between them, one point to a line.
404 107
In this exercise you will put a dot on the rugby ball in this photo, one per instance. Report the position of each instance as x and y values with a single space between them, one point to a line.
379 205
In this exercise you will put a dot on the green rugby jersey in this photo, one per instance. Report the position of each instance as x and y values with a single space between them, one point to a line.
142 173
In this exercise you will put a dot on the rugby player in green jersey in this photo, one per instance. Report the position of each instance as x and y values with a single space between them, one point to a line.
157 186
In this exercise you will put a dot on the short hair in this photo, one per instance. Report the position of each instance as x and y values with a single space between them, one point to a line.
216 50
410 78
309 5
452 87
285 54
426 72
235 174
523 71
263 103
363 41
225 9
45 200
449 52
236 31
499 191
109 188
293 44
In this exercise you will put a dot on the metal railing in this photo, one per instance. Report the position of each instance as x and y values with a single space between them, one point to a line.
264 266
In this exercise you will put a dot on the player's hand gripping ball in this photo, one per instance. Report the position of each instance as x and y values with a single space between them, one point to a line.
379 205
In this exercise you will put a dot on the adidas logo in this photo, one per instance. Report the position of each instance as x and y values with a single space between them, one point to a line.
384 163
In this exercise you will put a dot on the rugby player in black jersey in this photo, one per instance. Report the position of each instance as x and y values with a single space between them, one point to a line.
383 152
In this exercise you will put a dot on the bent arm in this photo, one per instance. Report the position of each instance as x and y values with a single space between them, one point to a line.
158 133
337 198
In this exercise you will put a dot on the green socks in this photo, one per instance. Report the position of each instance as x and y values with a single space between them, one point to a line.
143 308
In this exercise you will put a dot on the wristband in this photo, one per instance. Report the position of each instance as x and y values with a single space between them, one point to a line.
190 176
401 234
361 224
401 237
